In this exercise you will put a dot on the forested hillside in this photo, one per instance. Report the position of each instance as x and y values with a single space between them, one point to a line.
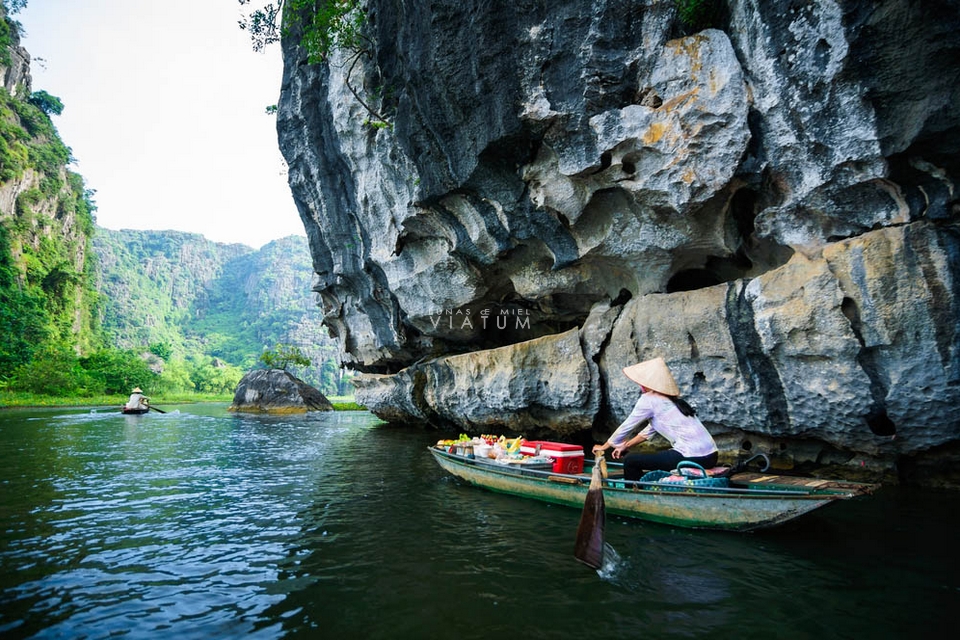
203 312
150 281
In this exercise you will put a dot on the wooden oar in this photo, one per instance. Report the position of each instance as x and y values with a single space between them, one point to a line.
589 546
157 410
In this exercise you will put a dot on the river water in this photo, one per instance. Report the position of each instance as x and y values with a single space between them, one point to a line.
198 523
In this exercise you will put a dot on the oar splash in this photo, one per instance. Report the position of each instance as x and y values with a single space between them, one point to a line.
589 546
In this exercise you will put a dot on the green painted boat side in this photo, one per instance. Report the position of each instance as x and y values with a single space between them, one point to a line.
736 508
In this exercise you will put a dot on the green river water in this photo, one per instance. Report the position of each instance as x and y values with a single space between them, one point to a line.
203 524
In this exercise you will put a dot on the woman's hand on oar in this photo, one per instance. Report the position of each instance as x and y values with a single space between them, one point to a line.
590 533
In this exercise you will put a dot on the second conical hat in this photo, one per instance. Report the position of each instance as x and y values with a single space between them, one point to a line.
653 374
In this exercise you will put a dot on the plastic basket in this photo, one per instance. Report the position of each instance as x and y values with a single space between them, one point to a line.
654 476
688 475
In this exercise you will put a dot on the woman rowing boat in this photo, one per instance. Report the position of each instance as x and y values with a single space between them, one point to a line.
669 415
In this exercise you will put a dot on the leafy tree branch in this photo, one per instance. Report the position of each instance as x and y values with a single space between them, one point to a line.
323 27
696 15
283 356
14 6
49 104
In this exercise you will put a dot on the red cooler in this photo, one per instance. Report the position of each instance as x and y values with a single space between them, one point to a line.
567 458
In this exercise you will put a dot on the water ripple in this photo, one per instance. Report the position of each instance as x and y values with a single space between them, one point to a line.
178 521
204 524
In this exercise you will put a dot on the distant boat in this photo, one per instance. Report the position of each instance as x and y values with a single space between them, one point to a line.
135 412
746 501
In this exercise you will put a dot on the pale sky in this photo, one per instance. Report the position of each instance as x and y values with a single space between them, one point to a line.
165 113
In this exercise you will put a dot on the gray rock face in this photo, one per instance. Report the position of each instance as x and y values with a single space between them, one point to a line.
485 390
567 188
16 71
276 391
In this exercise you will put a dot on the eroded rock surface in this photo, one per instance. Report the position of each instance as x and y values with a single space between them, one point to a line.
566 188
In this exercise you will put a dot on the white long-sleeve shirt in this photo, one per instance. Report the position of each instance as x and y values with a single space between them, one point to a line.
136 401
686 434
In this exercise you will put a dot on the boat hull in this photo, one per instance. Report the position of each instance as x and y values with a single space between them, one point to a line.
133 412
737 509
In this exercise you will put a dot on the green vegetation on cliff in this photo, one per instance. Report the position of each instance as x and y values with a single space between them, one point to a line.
202 312
696 15
323 26
47 300
180 314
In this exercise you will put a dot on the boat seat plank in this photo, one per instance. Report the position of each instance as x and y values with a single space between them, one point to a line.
808 483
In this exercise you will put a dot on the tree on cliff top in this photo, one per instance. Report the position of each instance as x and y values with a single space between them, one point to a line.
13 6
49 104
323 26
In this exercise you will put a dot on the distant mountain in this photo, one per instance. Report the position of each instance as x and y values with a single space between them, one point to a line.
151 281
192 296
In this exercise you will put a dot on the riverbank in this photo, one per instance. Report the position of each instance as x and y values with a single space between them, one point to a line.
21 399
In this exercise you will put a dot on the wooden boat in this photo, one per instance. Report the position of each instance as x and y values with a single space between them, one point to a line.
750 501
134 412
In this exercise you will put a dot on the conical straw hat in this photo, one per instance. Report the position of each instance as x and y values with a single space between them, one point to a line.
653 374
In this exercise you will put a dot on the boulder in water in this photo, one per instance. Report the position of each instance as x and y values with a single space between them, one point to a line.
277 391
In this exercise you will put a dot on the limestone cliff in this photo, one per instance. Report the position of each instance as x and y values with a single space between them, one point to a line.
46 222
568 187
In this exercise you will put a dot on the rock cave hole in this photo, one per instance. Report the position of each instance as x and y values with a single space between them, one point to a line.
717 269
606 159
850 310
622 298
743 208
691 280
699 381
880 424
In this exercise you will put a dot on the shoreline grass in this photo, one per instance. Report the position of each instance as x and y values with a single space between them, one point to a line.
24 400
